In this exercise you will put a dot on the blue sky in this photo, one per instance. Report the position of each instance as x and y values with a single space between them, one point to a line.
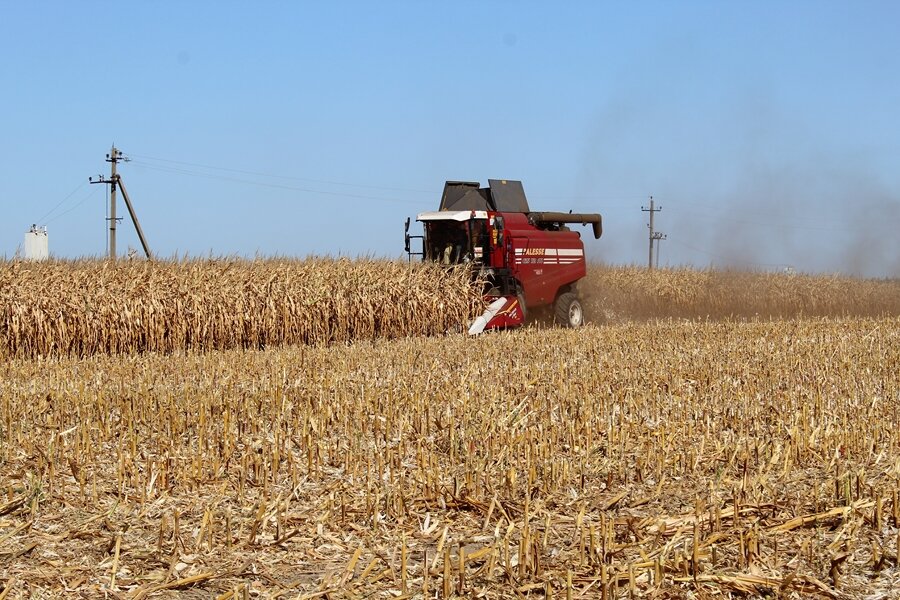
769 132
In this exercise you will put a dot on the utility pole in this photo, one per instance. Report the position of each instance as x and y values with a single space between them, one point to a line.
112 158
654 235
115 181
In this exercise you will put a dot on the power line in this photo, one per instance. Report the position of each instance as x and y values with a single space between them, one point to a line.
190 173
289 177
617 200
76 205
61 202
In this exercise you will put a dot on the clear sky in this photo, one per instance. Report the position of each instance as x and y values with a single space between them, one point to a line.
769 132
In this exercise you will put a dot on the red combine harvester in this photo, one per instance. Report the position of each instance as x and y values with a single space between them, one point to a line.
528 259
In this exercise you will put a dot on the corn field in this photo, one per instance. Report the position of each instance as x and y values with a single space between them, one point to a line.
668 459
94 306
86 307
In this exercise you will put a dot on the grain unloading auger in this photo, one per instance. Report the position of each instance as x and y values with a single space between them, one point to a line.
528 259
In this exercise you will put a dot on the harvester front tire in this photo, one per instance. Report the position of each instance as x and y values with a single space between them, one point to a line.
568 310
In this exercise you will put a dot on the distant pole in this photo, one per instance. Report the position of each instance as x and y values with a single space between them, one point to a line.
651 231
112 158
654 235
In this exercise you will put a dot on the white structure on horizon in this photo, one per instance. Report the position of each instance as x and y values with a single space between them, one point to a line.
36 244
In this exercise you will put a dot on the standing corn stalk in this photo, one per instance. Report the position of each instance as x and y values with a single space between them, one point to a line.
88 307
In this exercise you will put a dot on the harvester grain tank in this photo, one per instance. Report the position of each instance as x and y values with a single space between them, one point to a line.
528 259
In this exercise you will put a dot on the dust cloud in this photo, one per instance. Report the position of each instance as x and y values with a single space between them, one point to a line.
756 189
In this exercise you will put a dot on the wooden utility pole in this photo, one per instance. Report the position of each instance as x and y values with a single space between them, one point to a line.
654 235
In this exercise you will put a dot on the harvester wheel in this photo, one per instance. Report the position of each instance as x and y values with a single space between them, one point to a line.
568 311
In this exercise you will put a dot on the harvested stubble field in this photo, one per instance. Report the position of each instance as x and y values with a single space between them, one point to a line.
689 458
656 459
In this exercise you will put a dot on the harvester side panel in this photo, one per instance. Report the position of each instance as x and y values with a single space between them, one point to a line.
543 261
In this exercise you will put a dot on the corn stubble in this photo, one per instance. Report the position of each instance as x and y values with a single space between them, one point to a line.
666 459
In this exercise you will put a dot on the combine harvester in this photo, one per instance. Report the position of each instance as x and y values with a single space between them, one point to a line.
528 259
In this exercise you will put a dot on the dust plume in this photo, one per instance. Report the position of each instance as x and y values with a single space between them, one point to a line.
617 294
756 188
